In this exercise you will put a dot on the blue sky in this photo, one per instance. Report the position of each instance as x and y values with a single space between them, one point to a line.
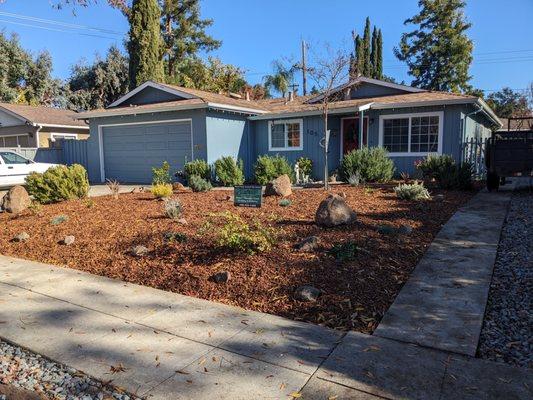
256 32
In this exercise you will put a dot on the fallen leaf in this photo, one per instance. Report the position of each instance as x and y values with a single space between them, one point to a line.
295 395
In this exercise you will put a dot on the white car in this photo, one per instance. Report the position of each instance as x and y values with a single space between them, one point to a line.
14 168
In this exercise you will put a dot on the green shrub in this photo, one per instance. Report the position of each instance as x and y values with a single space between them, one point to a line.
445 172
229 172
199 184
162 190
58 220
233 233
173 208
285 202
415 191
346 251
306 165
175 237
371 163
58 183
268 168
161 175
199 168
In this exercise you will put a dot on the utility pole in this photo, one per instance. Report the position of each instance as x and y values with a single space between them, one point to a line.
304 68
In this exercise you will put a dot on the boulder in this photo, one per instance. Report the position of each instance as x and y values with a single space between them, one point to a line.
333 211
221 277
21 237
308 244
68 240
16 200
178 187
307 293
281 186
139 251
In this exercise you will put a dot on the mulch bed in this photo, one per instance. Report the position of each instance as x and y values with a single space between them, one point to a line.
356 293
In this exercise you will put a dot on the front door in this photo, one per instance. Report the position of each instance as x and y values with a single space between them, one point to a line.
350 134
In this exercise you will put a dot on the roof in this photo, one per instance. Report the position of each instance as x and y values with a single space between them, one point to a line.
41 115
524 123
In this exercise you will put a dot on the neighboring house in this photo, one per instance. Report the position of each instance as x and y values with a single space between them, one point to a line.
515 124
157 122
37 126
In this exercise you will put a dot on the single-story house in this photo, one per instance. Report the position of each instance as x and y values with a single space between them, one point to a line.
159 122
37 126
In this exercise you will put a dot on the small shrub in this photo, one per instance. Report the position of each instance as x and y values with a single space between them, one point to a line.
172 208
198 184
415 191
368 190
114 187
405 177
306 165
285 202
35 207
162 191
372 164
88 202
58 184
355 179
268 168
446 172
161 175
229 172
199 168
59 219
233 233
175 237
342 252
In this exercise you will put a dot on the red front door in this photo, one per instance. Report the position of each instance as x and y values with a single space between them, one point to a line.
350 134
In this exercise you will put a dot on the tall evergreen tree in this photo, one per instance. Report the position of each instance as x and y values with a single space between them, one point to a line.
378 66
367 63
184 32
374 52
359 56
438 53
145 43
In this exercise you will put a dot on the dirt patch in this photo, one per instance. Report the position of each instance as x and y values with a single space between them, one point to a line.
355 293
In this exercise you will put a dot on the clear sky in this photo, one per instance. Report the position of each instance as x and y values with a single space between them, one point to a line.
255 32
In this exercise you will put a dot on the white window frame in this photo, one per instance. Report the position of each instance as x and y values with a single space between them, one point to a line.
55 135
17 136
409 153
299 121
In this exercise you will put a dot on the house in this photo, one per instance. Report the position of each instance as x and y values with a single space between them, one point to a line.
158 122
37 126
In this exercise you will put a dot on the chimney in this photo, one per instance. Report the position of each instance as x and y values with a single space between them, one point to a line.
291 96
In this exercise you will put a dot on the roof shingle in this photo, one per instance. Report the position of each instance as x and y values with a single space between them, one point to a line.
44 115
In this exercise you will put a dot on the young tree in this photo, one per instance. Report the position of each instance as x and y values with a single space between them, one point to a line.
184 32
145 44
508 103
280 79
438 53
329 71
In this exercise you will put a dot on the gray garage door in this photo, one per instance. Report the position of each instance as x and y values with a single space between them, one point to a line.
130 151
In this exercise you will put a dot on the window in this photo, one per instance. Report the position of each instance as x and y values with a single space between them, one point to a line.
15 141
13 158
286 135
412 134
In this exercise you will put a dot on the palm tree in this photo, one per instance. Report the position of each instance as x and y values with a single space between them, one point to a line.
280 79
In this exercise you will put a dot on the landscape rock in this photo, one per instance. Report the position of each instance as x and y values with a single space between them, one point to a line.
16 200
307 293
139 251
178 187
333 211
182 221
68 240
221 277
386 229
308 244
21 237
405 230
281 186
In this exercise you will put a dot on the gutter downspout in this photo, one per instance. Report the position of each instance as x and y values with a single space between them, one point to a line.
464 129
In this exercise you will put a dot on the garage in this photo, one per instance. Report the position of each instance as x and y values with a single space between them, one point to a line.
131 150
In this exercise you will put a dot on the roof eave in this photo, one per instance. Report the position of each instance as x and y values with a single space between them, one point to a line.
343 110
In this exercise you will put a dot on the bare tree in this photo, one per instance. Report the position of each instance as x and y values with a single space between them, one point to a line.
329 70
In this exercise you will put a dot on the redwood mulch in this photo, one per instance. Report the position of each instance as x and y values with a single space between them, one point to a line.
356 294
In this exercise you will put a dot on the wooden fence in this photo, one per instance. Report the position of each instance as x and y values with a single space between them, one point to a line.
473 152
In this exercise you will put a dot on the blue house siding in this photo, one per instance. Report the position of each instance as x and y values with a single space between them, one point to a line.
371 90
150 95
198 118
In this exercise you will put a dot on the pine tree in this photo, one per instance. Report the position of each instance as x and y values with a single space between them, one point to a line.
378 67
145 43
184 32
439 52
367 64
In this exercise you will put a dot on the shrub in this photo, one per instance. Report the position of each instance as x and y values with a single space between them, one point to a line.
175 237
58 184
306 165
58 220
229 172
172 208
445 172
372 164
199 168
346 251
162 190
35 207
161 175
354 180
114 187
285 202
198 184
415 191
233 233
268 168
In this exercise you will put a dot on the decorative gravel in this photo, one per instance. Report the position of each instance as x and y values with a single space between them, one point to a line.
23 369
507 334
